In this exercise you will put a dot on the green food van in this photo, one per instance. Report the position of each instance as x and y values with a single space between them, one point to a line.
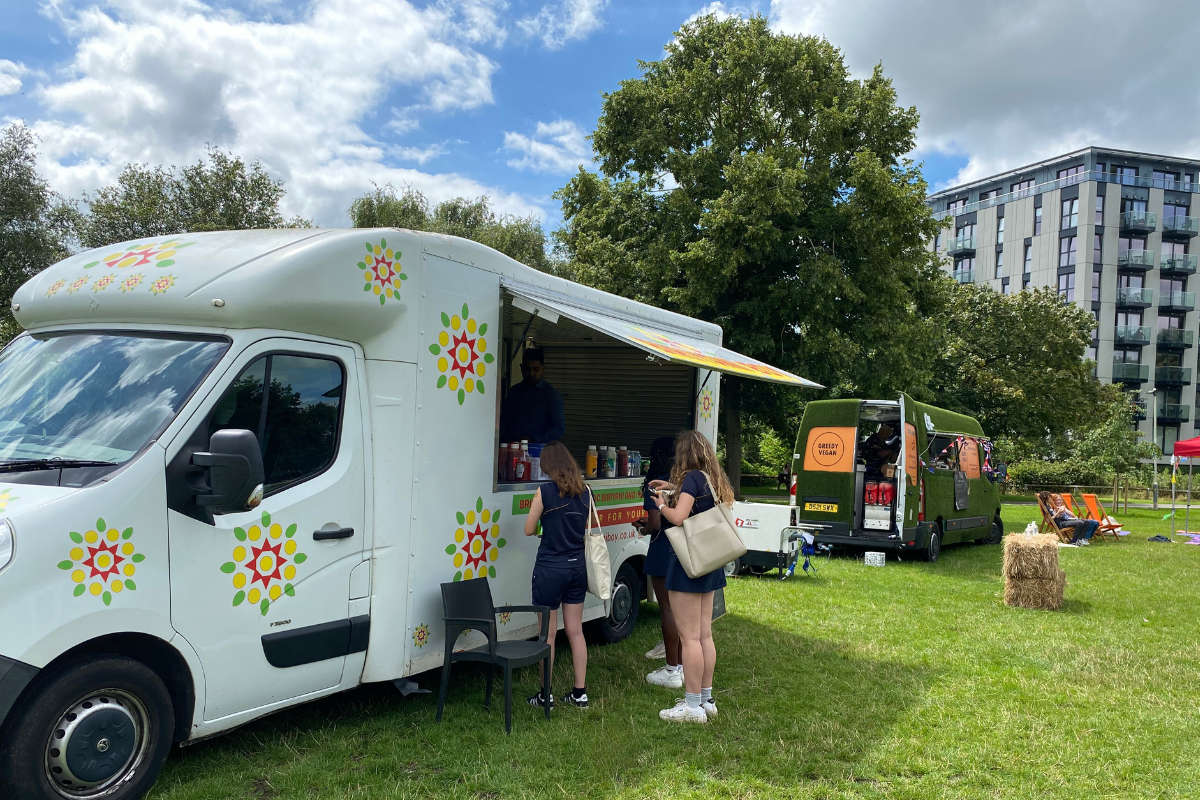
894 474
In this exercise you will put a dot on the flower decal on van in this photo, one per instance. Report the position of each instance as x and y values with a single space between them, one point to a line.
706 404
264 567
462 354
161 285
102 562
382 271
421 635
103 282
157 254
6 497
132 282
54 287
477 543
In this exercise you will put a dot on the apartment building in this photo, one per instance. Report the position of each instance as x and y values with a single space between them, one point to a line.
1113 231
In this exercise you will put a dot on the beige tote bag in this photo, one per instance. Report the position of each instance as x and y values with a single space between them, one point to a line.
707 540
595 556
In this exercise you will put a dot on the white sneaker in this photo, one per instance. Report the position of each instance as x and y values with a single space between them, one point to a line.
682 712
710 708
670 678
658 651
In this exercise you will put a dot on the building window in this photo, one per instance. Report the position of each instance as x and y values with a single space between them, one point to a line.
1066 251
1096 275
1170 211
1071 172
1022 188
1000 230
1100 209
964 270
1164 179
1097 248
1000 264
1125 175
1025 282
1037 221
1006 288
1099 167
1066 287
1123 356
1070 214
1028 258
937 241
988 195
1090 354
954 205
965 232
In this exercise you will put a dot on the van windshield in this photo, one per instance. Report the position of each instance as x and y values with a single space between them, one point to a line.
94 397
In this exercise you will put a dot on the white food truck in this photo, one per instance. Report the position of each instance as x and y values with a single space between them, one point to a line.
236 466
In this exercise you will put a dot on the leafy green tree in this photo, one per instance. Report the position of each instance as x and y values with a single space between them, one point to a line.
220 192
1016 363
519 238
35 224
748 180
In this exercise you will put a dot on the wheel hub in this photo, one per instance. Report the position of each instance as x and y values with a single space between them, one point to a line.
622 603
95 743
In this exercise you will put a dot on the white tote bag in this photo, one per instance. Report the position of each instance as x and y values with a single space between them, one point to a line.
707 540
595 555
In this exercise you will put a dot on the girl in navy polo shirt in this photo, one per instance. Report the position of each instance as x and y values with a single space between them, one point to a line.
692 598
559 572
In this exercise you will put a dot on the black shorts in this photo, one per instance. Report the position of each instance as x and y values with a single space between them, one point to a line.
553 586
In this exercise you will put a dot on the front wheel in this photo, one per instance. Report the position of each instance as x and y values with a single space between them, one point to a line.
995 533
96 728
622 608
935 545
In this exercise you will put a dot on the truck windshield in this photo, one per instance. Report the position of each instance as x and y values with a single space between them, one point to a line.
94 397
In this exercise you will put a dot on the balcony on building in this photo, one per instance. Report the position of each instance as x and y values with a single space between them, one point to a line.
964 275
1139 222
1180 227
1124 372
1175 339
961 246
1128 297
1139 410
1136 259
1172 376
1178 266
1132 335
1172 413
1177 302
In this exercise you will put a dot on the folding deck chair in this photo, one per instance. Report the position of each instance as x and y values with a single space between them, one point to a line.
1050 525
1106 528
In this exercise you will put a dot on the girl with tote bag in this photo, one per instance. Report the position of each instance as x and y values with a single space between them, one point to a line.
560 572
697 485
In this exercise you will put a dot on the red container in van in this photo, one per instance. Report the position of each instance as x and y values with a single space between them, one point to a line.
887 493
871 493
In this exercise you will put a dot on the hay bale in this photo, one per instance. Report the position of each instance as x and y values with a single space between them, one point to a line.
1028 557
1039 593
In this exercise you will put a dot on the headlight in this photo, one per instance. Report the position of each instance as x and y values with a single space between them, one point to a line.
7 542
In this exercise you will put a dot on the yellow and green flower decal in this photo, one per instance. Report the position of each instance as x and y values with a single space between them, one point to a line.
162 284
103 282
159 254
505 617
706 403
6 497
421 635
462 354
264 564
382 271
131 283
477 543
54 287
102 562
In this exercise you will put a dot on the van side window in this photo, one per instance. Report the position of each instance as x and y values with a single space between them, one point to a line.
297 429
943 460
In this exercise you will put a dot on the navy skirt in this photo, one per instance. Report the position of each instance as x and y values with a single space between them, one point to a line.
658 557
678 580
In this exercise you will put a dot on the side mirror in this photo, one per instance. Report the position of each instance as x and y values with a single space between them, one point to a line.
235 471
1000 472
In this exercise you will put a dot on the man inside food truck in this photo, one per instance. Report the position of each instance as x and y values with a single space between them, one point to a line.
533 409
880 450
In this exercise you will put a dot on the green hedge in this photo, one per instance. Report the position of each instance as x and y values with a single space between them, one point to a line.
1056 473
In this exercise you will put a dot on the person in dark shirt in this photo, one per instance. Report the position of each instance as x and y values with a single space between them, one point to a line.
880 449
658 557
533 409
560 572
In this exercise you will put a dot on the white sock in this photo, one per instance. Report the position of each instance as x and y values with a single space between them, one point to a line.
674 669
693 700
706 695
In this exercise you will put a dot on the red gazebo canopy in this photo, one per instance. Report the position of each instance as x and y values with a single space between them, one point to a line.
1188 447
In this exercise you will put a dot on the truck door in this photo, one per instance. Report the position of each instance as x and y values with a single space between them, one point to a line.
263 595
828 481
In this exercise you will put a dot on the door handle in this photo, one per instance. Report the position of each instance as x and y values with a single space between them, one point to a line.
336 533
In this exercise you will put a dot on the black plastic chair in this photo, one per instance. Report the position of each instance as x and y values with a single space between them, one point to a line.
467 605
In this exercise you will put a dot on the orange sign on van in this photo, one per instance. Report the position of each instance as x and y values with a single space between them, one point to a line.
968 457
910 452
830 450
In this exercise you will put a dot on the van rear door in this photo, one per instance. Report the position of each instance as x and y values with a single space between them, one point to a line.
824 465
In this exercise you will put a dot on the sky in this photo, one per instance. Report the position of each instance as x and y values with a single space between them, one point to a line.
497 97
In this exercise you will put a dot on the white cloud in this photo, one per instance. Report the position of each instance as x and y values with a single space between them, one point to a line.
1007 83
556 147
722 11
10 76
152 81
558 23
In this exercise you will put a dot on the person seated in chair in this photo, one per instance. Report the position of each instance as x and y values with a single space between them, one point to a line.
1081 529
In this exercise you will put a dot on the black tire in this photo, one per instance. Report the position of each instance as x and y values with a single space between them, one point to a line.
622 608
995 533
114 718
934 549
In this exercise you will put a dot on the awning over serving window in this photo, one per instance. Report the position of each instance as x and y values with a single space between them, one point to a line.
653 336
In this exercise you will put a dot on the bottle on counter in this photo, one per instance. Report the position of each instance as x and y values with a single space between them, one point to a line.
589 470
502 463
535 463
602 462
521 468
623 462
610 470
514 452
635 463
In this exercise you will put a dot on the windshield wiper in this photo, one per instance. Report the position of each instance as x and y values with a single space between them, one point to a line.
32 464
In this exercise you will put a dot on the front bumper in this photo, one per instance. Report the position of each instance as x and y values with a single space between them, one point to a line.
14 677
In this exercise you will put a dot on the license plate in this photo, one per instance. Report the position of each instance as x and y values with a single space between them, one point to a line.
828 508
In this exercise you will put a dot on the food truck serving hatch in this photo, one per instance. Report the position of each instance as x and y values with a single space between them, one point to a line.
660 339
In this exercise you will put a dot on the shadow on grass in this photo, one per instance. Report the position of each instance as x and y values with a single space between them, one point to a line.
791 707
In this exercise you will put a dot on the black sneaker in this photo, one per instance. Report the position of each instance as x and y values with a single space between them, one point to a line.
578 700
537 701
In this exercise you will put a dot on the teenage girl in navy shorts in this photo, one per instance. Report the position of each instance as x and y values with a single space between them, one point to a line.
662 455
560 573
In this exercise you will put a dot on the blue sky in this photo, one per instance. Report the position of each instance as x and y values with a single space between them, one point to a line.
465 97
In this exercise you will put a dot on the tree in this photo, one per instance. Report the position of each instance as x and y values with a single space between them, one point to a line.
220 192
746 179
519 238
1016 363
35 223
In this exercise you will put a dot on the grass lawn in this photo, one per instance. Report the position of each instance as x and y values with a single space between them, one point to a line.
911 681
